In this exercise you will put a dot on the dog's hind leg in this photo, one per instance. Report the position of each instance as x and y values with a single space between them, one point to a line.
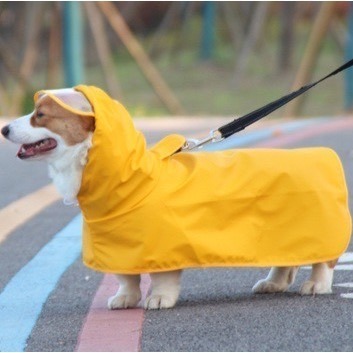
129 293
320 281
279 279
165 290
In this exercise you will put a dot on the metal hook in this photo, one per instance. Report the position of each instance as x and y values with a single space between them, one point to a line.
214 136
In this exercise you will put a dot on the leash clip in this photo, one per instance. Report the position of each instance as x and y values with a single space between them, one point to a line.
191 144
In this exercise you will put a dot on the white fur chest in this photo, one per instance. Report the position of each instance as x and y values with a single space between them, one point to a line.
66 171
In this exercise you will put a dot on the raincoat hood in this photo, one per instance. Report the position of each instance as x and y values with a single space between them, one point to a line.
158 209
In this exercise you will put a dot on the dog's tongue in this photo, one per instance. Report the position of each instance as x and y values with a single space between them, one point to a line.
33 149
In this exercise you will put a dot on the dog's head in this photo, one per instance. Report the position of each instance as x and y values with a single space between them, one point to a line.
61 119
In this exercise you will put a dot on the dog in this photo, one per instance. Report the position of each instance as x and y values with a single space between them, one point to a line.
63 139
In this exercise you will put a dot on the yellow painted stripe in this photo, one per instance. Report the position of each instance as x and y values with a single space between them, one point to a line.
20 211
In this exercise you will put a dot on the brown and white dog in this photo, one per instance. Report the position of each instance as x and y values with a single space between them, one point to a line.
63 139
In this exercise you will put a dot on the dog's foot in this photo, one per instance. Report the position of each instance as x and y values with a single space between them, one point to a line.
123 301
312 288
266 286
154 302
278 280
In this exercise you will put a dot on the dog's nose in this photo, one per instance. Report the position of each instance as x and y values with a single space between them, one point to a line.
5 130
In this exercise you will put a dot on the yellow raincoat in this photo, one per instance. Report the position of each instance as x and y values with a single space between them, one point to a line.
150 210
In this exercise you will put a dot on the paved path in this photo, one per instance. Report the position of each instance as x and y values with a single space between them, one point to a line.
50 302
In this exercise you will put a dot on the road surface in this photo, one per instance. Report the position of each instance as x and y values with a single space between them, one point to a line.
50 302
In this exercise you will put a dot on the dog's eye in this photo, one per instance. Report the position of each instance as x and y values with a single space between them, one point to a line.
40 115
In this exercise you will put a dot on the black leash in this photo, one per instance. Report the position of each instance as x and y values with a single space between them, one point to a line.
250 118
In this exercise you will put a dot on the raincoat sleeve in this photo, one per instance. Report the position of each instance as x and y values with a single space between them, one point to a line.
168 146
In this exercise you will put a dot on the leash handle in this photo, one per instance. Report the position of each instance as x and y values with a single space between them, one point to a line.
250 118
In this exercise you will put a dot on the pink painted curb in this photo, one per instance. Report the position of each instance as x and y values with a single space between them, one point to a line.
111 330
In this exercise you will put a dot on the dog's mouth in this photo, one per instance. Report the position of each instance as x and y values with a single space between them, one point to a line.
30 150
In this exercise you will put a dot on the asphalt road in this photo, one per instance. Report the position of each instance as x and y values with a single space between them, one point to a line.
216 310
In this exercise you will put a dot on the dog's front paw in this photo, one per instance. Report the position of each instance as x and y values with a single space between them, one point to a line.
123 301
312 288
159 302
265 286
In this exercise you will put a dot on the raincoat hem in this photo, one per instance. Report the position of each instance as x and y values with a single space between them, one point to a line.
264 264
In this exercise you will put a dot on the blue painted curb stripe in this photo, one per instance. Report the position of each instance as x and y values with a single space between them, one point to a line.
22 300
247 138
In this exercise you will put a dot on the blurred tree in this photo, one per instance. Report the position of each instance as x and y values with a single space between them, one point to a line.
73 43
96 22
54 46
208 30
254 33
29 55
348 77
311 54
286 18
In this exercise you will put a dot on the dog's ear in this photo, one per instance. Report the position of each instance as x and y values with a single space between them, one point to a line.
70 99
